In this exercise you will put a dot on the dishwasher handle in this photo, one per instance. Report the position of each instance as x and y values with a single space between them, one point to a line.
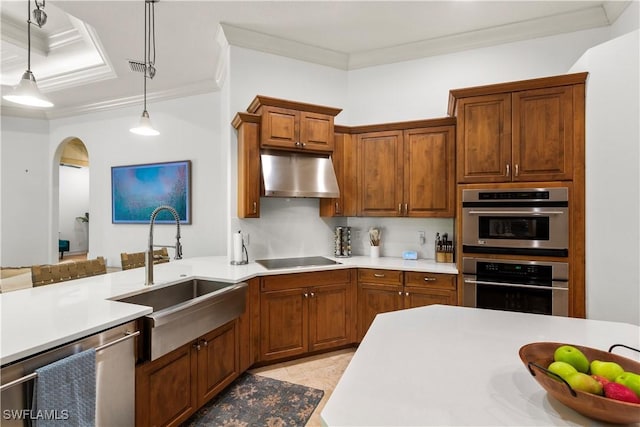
33 375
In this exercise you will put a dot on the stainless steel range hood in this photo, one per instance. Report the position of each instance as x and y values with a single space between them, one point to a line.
298 175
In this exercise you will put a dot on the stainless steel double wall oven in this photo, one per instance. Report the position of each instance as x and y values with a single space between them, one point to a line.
497 223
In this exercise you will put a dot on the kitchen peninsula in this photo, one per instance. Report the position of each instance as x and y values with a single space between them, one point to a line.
70 310
442 365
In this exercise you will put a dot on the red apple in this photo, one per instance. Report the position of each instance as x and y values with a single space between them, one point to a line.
620 392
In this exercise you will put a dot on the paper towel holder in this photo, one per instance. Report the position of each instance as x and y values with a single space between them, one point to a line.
245 255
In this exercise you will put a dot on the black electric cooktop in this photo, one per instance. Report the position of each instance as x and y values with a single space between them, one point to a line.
273 264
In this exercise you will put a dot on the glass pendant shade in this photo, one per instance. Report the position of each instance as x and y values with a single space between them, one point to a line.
144 126
27 93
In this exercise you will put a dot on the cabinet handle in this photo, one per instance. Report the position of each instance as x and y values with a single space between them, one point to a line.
337 208
430 279
255 207
400 208
406 208
516 170
507 174
378 275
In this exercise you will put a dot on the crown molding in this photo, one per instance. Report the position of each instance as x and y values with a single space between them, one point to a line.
15 32
242 37
198 88
613 9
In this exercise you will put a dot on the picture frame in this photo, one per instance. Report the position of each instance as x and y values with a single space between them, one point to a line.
137 190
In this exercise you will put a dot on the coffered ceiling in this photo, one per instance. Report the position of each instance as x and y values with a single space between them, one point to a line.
80 57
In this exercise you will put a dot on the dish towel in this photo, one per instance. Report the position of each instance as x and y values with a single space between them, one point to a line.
65 392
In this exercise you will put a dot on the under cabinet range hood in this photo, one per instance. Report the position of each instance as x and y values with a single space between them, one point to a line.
288 174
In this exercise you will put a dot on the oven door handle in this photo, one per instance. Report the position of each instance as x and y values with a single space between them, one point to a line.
513 285
516 213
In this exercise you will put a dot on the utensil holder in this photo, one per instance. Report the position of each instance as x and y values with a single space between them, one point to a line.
374 252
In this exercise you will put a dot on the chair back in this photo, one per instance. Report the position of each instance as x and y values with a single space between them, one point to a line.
136 259
47 274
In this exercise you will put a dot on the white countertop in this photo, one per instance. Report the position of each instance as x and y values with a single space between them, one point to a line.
441 365
39 318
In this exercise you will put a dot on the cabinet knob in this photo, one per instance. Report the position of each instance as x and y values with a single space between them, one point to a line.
312 295
205 343
400 293
196 345
378 275
255 207
406 208
306 295
406 294
297 144
508 170
429 279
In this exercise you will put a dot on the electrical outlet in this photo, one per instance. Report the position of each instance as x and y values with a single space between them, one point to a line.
422 238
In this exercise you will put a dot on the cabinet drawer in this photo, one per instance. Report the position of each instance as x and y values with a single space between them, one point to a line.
303 280
431 280
392 277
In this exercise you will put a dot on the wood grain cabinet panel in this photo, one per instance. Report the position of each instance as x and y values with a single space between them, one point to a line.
484 138
380 174
306 312
543 134
429 172
171 388
249 178
373 299
344 165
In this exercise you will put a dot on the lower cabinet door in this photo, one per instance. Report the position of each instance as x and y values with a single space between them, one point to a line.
330 316
166 388
218 361
284 323
374 299
419 297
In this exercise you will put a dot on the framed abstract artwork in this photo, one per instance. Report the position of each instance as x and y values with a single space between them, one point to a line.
136 190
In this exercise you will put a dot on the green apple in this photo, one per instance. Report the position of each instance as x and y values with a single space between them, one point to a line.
562 369
583 382
609 370
572 356
630 380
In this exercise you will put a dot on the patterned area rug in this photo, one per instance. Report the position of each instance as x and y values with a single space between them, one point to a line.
252 400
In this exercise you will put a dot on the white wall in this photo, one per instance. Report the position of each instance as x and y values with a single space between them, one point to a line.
25 199
74 202
190 130
613 179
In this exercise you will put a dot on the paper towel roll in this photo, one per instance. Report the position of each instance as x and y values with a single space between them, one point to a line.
237 247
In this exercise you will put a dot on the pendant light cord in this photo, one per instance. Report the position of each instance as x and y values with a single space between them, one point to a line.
149 43
29 35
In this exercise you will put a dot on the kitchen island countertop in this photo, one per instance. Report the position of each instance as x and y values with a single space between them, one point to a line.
442 365
39 318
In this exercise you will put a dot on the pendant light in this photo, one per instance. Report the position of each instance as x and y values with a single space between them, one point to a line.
148 68
26 92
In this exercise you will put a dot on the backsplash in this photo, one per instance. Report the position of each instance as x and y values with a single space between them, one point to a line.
291 227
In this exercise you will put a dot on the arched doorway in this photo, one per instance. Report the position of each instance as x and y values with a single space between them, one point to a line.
73 199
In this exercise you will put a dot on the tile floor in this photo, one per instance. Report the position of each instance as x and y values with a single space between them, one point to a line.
320 371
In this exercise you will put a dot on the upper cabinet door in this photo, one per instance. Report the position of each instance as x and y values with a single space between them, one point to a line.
429 172
280 127
380 176
543 134
316 131
484 138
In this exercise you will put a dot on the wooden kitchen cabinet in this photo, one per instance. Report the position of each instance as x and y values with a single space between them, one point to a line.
294 126
381 291
406 169
306 312
173 387
344 164
519 131
249 174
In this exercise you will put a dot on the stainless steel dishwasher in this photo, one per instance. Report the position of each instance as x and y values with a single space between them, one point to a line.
115 378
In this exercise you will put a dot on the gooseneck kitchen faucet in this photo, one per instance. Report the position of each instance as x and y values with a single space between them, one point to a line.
148 258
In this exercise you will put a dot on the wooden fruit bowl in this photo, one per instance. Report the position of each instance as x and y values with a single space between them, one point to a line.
590 405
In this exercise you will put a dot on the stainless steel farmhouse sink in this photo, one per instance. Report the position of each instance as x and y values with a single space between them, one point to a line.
186 311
